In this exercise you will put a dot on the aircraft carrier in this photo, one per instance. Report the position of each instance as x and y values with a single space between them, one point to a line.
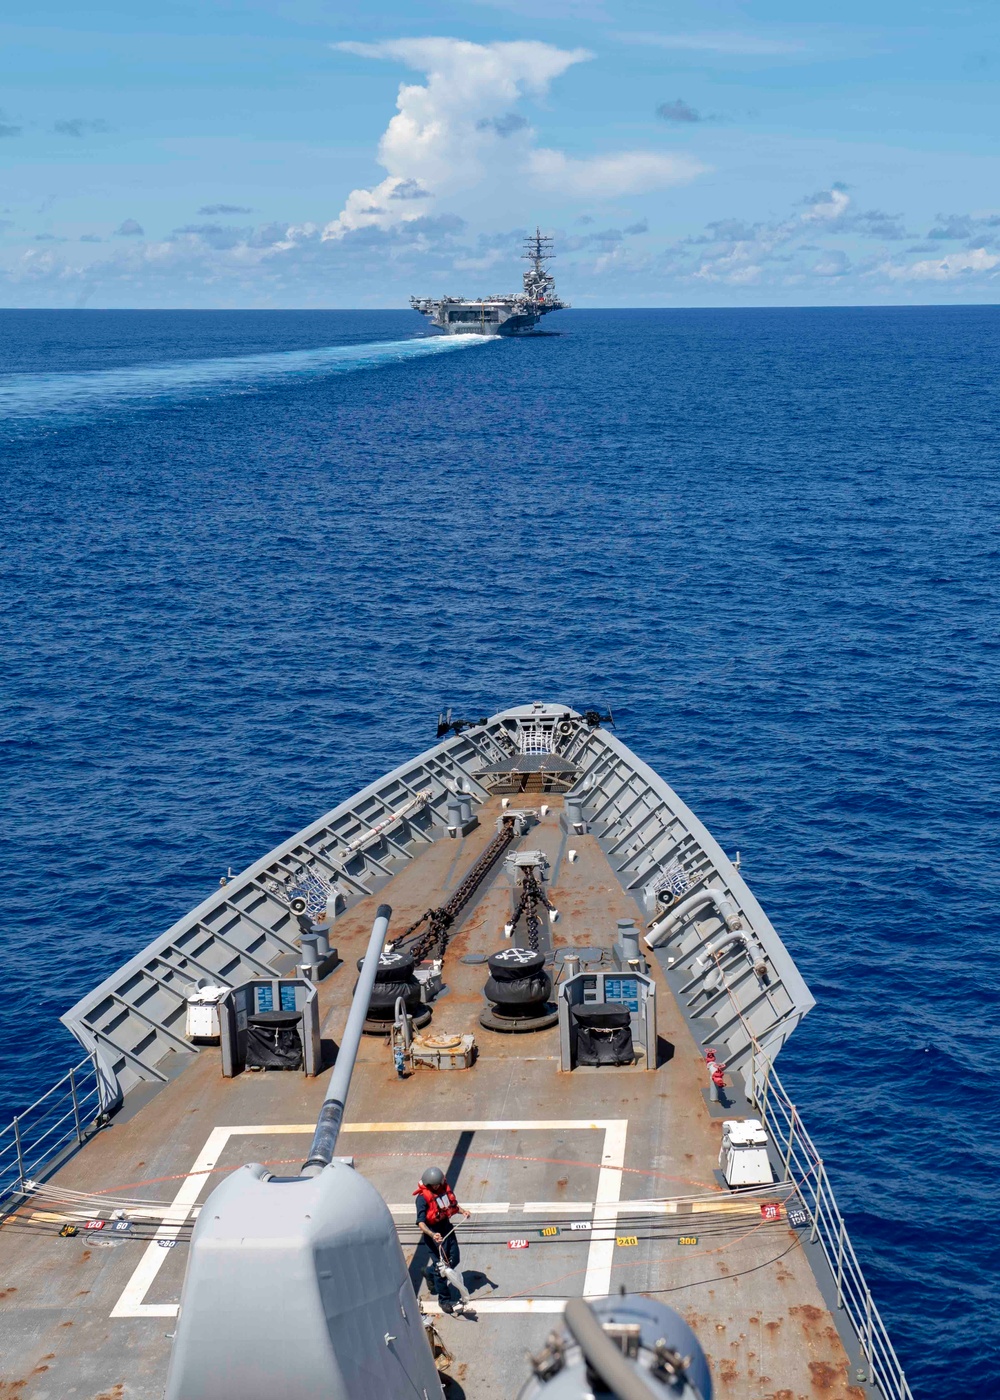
521 958
508 313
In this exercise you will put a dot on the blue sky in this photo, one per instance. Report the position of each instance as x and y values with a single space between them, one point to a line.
298 153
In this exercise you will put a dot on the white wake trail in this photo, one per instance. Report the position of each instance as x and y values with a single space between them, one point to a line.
24 396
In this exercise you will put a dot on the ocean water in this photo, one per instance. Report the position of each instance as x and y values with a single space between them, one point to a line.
246 557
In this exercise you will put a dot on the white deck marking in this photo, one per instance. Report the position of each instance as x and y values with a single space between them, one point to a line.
606 1207
130 1304
597 1284
512 1125
558 1207
481 1208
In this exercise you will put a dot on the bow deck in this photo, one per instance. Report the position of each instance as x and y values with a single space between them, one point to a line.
608 1174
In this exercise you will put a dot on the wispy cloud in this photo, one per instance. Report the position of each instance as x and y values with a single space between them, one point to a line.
212 210
410 189
952 226
131 228
953 267
822 241
611 176
719 41
678 111
972 226
215 235
505 125
834 263
7 127
827 204
79 127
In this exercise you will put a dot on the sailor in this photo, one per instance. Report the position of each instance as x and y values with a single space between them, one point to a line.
436 1207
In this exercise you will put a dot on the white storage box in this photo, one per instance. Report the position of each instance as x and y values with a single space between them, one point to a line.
202 1021
743 1158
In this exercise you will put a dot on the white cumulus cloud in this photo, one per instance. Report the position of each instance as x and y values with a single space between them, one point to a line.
459 128
827 205
946 268
943 269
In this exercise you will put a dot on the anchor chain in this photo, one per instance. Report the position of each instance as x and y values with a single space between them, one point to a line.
532 895
434 940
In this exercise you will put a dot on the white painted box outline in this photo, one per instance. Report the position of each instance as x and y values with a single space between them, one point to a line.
597 1282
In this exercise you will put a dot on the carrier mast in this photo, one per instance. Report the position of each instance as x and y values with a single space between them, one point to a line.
539 284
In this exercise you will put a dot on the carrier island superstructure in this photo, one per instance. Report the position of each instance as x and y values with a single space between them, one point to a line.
521 958
507 313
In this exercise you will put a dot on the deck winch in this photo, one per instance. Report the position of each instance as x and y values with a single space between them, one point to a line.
518 989
395 979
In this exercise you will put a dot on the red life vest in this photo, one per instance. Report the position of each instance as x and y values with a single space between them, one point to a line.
441 1204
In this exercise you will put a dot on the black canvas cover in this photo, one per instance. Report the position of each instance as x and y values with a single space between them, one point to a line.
520 991
603 1034
273 1040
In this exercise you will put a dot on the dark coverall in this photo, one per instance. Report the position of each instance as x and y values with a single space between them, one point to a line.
446 1250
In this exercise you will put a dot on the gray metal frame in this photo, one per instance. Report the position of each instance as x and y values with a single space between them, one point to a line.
644 829
571 992
238 1005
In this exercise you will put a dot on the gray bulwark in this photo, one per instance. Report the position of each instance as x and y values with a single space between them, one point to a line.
749 996
134 1021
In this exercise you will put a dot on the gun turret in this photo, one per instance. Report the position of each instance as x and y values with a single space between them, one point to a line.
306 1266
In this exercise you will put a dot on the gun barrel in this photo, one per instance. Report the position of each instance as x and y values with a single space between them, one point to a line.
331 1115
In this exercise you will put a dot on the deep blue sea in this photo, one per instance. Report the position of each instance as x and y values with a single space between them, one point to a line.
246 557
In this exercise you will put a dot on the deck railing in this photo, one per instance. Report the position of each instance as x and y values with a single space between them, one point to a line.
63 1118
825 1226
72 1110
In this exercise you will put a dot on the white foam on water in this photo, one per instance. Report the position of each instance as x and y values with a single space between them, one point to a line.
24 396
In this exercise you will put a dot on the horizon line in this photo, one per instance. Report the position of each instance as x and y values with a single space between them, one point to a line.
375 310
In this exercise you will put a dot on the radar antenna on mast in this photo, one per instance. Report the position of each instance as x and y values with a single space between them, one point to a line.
537 246
539 284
